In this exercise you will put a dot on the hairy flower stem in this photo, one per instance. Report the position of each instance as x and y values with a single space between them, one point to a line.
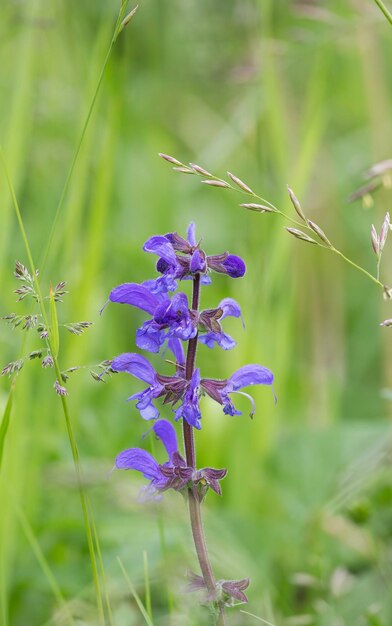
193 500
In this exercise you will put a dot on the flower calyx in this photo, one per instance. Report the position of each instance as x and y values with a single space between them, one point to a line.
179 476
226 591
209 320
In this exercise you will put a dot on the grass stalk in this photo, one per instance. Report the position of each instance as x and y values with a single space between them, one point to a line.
384 10
116 32
39 555
64 403
135 595
147 587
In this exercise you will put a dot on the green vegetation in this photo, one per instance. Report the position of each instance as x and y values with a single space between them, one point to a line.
276 92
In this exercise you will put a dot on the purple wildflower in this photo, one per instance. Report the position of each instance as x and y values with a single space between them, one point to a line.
181 258
246 376
142 461
189 409
139 367
211 320
170 317
174 474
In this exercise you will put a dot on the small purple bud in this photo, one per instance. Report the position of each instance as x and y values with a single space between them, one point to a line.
226 263
47 362
235 266
198 262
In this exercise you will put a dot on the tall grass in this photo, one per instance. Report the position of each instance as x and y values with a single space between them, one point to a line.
280 93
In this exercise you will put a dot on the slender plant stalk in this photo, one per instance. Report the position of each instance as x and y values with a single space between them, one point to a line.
39 555
384 10
274 209
134 593
71 435
117 30
121 22
190 452
147 588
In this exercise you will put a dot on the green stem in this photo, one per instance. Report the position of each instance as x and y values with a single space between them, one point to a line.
113 40
357 267
74 448
302 225
384 10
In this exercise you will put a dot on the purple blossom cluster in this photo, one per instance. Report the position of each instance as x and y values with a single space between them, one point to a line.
173 321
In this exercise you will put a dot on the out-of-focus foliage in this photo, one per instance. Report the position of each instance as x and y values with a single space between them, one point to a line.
277 92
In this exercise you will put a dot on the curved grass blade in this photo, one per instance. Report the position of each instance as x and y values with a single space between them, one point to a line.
135 595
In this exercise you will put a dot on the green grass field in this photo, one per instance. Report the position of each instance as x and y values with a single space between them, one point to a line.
278 92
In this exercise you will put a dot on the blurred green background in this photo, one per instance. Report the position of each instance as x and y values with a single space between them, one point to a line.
277 92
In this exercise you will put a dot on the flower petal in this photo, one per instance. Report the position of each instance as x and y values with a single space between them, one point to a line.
162 247
189 410
167 434
149 337
136 365
234 266
251 375
140 460
135 295
175 345
222 339
191 233
198 262
230 308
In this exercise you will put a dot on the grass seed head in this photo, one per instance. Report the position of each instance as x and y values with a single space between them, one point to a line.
298 234
240 183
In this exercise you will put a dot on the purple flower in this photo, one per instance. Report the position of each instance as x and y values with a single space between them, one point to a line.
174 474
211 320
226 263
246 376
189 410
181 258
143 462
138 366
170 388
170 317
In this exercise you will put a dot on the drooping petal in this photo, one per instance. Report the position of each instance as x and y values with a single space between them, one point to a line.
135 295
222 339
167 434
140 460
144 402
205 280
189 410
136 365
251 375
149 337
191 233
162 247
161 285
